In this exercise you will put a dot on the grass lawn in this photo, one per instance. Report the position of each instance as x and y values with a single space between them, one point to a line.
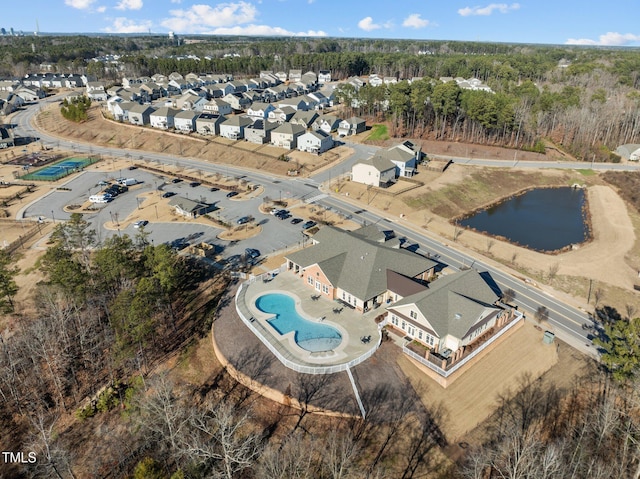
378 133
586 172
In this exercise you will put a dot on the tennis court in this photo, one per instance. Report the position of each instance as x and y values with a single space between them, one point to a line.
59 170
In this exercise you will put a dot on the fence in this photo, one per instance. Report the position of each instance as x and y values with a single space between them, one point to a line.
284 356
14 245
448 372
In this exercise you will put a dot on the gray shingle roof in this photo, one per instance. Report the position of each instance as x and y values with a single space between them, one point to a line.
358 265
453 303
379 163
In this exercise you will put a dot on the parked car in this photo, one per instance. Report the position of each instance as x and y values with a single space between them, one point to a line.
252 253
213 188
284 216
168 194
231 194
243 220
176 180
193 184
140 224
295 221
308 224
274 211
133 168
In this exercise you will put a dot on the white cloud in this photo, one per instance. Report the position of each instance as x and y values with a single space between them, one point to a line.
79 4
488 10
264 30
129 5
101 9
176 1
367 24
200 18
125 25
608 39
415 21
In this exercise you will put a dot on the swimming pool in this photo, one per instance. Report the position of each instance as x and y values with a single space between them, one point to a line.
59 170
310 336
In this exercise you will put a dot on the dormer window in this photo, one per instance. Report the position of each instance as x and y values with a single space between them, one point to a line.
413 314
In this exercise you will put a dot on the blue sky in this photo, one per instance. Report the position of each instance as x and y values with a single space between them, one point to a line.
586 22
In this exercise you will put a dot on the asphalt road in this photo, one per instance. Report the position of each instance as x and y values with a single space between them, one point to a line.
568 321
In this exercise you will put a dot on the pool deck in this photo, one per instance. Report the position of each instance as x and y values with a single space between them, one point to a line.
352 324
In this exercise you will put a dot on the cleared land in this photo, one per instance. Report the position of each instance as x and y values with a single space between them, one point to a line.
472 397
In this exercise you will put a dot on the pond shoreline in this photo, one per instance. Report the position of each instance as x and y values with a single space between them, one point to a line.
585 213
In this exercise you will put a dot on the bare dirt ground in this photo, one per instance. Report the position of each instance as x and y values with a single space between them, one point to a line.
608 260
472 397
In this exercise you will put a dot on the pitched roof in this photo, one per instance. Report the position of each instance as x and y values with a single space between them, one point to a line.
141 109
185 204
238 121
356 264
290 129
378 162
165 111
454 303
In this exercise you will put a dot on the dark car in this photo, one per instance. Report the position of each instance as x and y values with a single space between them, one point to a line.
243 220
133 167
168 194
284 216
213 188
193 184
251 253
308 224
176 180
231 194
295 221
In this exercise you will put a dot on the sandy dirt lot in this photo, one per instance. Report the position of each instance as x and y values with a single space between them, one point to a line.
472 397
608 260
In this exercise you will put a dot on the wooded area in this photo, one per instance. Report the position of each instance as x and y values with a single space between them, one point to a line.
587 106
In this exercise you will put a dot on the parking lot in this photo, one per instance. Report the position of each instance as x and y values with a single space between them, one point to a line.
118 215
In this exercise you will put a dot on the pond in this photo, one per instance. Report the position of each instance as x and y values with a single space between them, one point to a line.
543 219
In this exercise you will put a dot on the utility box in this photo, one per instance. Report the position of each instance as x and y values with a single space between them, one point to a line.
548 337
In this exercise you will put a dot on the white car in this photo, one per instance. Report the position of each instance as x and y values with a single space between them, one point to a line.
140 224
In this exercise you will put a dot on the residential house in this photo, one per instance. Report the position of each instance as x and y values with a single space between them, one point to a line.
286 135
304 118
374 171
233 128
630 152
30 93
9 85
120 110
390 80
324 76
375 80
6 138
451 313
237 101
150 91
297 103
96 91
309 79
190 102
326 123
405 156
315 142
239 86
185 120
209 124
357 82
318 100
11 101
282 115
189 208
351 266
217 106
220 90
351 126
163 118
259 131
260 110
281 76
295 75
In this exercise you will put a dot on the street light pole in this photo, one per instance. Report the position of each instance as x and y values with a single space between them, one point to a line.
53 216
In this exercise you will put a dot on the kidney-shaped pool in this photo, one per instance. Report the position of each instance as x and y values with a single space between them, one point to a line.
310 336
